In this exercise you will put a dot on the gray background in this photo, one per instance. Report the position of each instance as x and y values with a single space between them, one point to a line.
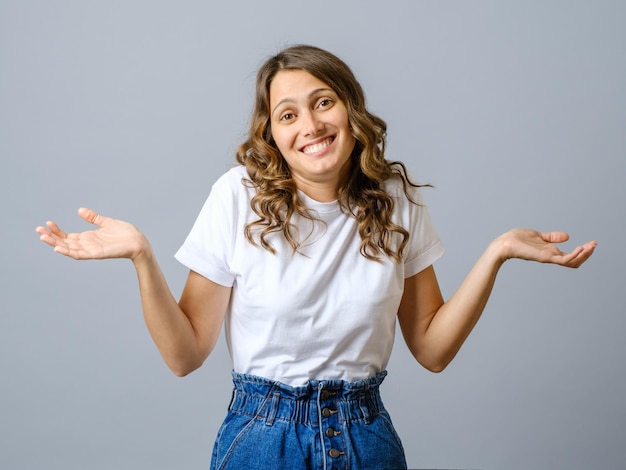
515 111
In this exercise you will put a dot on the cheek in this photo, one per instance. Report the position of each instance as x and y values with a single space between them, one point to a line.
281 146
282 140
344 123
350 137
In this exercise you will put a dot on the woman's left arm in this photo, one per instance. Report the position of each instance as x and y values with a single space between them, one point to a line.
435 330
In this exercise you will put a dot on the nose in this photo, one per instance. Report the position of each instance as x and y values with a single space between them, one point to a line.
311 124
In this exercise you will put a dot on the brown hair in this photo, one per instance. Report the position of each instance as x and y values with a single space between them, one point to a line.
362 194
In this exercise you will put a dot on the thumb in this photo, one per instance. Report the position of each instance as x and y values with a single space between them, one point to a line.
91 216
555 237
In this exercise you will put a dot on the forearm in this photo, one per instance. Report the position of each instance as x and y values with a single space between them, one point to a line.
170 328
185 331
454 320
435 330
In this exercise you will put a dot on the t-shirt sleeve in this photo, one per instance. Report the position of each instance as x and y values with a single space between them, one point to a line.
424 247
208 246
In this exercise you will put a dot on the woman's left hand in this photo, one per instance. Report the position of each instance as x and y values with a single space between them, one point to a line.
532 245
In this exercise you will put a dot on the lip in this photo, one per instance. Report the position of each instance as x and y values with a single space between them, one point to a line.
319 141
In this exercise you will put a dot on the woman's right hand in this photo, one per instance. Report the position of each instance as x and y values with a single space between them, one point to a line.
112 239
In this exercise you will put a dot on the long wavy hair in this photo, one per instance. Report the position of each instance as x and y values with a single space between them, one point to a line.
361 194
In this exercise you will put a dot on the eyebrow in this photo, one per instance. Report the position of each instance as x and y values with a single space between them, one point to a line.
291 100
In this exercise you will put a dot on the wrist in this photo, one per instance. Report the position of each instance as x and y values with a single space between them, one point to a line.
143 253
499 250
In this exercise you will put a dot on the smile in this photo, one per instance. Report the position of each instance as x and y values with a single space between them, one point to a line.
318 147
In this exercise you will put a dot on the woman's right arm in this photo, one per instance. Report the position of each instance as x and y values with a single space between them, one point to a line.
185 332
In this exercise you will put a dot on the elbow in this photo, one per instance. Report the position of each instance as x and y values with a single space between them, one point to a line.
433 364
432 358
435 368
183 369
181 372
183 363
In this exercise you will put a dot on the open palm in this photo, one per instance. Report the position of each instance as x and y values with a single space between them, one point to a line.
541 246
112 239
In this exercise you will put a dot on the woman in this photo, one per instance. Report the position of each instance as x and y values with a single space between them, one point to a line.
307 252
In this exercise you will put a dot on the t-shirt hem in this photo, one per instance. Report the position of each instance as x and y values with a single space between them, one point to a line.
219 277
424 260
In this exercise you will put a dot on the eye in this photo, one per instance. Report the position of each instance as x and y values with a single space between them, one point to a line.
325 103
287 116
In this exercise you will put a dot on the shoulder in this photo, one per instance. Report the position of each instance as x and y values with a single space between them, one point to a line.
233 178
235 183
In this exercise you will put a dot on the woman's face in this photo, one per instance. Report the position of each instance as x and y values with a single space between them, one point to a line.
311 129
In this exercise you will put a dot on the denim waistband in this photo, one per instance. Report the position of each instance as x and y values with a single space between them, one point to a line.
272 400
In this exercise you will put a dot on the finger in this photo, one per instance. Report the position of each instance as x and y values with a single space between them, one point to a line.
587 250
62 250
587 247
72 252
91 216
51 239
47 239
70 246
44 235
55 230
578 256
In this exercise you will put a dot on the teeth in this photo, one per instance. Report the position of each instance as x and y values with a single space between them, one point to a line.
317 147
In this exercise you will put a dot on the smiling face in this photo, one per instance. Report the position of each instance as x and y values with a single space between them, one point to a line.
311 129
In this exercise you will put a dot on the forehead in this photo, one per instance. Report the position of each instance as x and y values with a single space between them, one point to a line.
293 85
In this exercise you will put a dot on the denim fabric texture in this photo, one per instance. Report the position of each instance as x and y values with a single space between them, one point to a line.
325 425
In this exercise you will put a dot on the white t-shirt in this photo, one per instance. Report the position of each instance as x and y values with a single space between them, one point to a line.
324 313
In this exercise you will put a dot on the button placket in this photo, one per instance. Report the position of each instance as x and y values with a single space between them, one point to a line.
330 423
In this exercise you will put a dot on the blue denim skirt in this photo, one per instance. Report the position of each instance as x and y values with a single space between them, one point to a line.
325 424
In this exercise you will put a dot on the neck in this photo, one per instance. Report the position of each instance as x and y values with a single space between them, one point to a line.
319 192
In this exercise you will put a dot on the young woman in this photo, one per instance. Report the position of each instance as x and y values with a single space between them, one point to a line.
308 252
